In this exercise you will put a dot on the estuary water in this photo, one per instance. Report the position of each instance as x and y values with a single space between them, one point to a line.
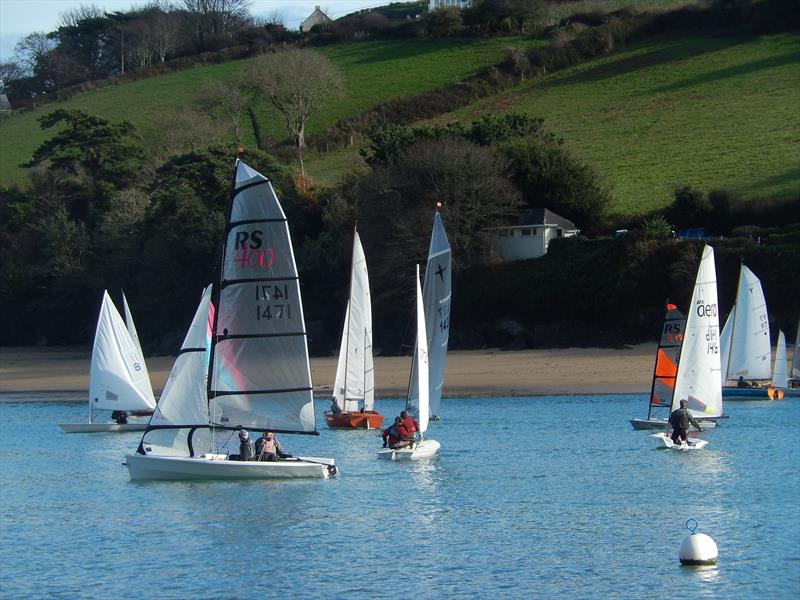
538 497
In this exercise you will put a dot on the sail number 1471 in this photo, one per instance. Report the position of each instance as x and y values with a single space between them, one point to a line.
272 302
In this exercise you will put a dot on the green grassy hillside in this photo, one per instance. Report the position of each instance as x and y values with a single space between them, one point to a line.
709 111
374 71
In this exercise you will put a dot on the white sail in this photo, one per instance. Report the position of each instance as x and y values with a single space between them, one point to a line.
725 345
259 377
780 378
698 379
118 379
184 401
796 354
436 294
750 342
421 355
354 387
134 334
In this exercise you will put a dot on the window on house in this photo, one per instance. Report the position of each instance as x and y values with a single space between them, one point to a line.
503 233
526 232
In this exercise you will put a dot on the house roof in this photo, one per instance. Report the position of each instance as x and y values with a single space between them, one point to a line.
543 216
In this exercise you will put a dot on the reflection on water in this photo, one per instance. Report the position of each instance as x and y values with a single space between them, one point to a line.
557 497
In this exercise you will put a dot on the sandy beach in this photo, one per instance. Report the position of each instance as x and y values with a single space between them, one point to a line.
469 373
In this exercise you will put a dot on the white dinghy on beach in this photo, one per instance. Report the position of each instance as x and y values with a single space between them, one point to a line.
419 405
258 372
698 375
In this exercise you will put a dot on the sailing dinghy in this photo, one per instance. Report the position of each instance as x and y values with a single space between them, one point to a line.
745 343
697 378
258 372
436 295
417 406
354 388
118 379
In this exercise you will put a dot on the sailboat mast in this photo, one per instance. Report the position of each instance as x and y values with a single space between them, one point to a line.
733 324
216 290
347 323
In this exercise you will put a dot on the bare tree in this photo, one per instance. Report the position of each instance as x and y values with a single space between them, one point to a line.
297 82
164 34
217 17
33 51
519 60
73 16
228 100
9 71
186 130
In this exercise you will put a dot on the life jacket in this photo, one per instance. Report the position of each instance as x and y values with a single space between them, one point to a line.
680 419
410 424
268 446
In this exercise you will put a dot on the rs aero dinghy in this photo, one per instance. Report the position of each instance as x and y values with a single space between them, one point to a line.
417 406
698 374
249 342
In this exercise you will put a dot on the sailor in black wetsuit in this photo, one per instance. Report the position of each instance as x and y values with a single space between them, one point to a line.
680 420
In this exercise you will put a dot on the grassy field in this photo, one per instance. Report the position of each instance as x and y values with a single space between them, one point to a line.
708 111
374 72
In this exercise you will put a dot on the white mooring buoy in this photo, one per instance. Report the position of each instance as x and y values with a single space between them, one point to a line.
698 548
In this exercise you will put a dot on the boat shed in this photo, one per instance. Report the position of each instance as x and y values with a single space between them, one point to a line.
434 4
531 235
316 18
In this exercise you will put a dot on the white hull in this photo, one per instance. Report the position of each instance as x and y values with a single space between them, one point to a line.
142 467
423 449
102 427
650 424
665 441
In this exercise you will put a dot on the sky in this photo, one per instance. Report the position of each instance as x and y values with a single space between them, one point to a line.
18 18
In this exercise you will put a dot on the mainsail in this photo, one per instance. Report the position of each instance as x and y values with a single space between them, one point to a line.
421 357
118 378
780 378
796 354
354 387
183 401
436 294
259 376
666 367
698 379
750 349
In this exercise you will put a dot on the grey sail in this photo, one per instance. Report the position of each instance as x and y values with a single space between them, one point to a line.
259 376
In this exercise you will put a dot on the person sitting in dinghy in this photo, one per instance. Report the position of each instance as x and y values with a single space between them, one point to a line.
245 446
120 416
396 435
411 424
269 449
680 419
335 408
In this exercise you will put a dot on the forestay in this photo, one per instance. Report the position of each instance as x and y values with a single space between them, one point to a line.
183 401
437 295
118 378
421 356
355 377
750 348
260 376
698 379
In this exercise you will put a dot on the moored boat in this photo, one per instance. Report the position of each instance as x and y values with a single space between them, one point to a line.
354 387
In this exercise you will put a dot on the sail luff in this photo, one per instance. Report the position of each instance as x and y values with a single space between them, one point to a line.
135 337
423 399
725 344
796 353
698 379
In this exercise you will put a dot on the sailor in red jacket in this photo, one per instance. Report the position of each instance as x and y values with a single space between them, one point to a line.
397 435
412 425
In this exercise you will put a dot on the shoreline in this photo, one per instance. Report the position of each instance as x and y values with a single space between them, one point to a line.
469 373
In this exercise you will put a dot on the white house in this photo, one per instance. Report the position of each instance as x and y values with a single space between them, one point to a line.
434 4
531 235
315 18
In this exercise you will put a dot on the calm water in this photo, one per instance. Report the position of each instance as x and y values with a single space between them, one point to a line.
530 497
